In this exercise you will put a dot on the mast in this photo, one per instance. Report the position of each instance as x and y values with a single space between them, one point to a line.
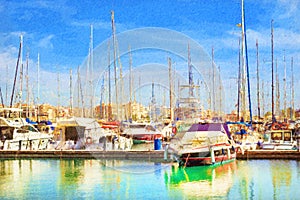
239 83
71 94
80 93
115 64
263 97
257 71
292 91
6 86
91 72
246 59
284 90
16 72
213 77
130 83
27 84
58 94
191 82
21 77
170 85
272 59
2 103
220 91
38 87
109 114
277 91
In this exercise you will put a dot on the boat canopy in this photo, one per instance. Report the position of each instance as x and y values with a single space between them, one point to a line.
210 127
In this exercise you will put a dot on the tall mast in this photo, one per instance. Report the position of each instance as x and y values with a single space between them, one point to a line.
272 60
80 94
191 82
91 72
130 83
71 94
27 84
171 86
246 59
38 87
263 97
58 94
109 113
6 86
277 90
220 93
284 89
213 81
115 64
243 68
16 72
239 83
21 76
292 90
257 71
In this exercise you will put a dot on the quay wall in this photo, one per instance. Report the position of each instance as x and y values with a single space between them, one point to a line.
148 155
269 154
152 155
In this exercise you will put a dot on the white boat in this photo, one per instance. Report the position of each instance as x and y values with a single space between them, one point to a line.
142 132
243 135
279 140
17 134
203 144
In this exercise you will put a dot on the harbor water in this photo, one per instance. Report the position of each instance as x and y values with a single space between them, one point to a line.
132 179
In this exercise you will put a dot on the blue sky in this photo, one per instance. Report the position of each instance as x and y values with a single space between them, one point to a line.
59 31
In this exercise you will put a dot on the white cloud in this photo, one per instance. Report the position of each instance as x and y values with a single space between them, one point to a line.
46 42
288 9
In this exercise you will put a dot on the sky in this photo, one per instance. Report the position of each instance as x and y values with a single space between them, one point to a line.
59 32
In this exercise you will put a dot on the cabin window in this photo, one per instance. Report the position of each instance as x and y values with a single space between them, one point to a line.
287 136
276 136
6 133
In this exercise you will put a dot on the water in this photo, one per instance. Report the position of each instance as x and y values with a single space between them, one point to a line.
117 179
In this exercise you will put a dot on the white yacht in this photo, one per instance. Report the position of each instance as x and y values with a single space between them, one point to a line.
17 134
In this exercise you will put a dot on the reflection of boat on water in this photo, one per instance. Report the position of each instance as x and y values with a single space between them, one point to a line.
204 144
202 181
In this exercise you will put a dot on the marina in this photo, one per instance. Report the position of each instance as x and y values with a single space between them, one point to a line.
154 110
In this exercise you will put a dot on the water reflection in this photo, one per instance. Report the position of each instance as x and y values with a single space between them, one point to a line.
202 181
124 179
267 179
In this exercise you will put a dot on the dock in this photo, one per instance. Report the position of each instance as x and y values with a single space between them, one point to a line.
151 155
146 155
269 154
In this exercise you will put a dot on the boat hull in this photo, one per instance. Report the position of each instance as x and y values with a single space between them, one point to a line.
213 156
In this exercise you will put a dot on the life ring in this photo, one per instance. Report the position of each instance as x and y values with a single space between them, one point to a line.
276 126
284 125
89 140
174 129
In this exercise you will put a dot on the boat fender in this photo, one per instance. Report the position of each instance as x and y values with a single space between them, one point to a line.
284 125
174 130
89 140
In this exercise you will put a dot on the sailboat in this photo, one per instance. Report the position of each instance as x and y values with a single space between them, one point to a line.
15 132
